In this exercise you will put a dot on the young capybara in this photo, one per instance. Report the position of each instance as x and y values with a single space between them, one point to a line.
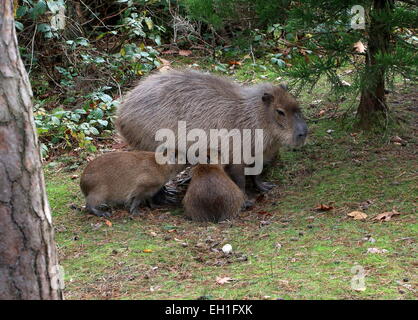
123 178
207 102
212 195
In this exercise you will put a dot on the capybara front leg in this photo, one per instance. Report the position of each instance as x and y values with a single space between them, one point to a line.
262 186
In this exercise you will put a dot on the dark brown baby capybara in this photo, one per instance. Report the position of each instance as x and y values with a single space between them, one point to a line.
212 195
206 102
124 178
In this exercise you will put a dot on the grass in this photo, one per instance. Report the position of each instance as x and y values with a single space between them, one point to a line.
292 252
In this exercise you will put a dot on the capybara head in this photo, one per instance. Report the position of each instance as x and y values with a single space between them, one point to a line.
283 110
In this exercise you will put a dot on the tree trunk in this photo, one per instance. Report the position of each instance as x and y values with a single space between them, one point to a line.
372 108
28 257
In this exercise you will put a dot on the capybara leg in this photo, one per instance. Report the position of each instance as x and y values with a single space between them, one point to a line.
236 172
95 205
98 210
261 185
134 208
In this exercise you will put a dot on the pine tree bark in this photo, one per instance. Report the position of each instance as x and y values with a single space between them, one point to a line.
28 256
373 108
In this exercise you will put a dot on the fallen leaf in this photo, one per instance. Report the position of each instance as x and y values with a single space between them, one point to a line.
396 139
185 53
264 213
345 83
376 250
234 63
165 68
169 52
323 207
223 280
165 62
357 215
147 250
108 223
359 47
386 216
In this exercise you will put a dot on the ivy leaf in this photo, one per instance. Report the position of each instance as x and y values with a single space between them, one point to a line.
43 27
18 25
103 123
96 114
38 10
149 23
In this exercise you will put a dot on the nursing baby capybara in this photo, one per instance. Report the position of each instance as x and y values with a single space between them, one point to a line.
212 195
207 102
124 178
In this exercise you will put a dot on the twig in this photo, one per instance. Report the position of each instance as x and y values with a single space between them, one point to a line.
33 46
95 15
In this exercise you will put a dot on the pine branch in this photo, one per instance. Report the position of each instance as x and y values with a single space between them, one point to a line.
411 2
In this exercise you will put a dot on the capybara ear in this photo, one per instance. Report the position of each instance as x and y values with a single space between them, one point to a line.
284 86
267 98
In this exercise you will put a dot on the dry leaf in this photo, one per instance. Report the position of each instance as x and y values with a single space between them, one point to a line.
147 250
169 52
323 207
165 62
234 63
109 224
185 53
376 250
264 213
357 215
359 47
386 216
164 69
223 280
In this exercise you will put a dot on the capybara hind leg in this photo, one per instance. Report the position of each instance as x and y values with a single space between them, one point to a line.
261 185
236 173
95 205
98 211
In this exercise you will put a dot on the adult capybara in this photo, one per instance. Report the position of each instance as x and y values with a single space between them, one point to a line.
207 102
123 178
212 195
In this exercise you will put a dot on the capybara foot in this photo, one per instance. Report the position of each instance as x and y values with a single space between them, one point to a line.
265 186
136 212
100 211
248 204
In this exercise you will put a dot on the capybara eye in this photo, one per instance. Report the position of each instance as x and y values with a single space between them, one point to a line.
280 112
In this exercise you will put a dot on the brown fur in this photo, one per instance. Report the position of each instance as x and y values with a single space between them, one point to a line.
207 102
212 195
121 178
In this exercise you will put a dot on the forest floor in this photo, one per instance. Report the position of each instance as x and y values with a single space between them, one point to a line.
298 242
